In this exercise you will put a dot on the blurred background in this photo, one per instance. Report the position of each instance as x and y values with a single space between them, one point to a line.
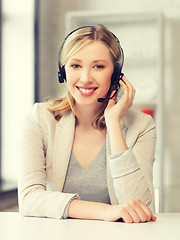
31 33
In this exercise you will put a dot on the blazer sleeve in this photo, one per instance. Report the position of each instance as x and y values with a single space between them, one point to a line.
33 196
131 170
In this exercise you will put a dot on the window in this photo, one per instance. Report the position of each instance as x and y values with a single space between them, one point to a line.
17 79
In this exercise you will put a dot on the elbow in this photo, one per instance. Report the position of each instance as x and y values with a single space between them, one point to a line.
26 203
23 206
23 211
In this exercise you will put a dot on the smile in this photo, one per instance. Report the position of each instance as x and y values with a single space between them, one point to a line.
86 91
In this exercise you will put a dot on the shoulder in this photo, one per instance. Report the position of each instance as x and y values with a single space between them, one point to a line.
41 116
41 112
136 119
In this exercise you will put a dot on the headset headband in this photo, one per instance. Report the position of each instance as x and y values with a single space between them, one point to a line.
60 50
117 74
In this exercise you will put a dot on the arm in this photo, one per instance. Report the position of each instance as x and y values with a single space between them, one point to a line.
134 211
114 113
132 169
34 198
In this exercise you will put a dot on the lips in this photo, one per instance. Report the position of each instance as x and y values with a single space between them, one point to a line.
84 91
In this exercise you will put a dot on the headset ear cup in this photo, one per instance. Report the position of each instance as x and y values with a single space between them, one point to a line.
61 74
116 75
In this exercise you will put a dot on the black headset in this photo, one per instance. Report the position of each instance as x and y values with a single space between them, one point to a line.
116 76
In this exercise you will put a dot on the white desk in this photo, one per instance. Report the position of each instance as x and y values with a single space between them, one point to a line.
14 226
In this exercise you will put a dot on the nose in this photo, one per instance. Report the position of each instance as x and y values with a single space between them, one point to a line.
86 77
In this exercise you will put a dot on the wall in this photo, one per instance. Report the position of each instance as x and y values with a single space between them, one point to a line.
52 32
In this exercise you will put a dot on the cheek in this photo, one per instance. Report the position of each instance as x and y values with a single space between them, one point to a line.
72 76
70 79
69 82
70 85
107 78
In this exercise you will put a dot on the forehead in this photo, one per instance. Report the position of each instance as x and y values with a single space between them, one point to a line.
96 49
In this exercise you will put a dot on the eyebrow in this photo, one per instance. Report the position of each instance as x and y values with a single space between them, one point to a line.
74 59
95 61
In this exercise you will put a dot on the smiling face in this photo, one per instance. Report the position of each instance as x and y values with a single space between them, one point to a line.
88 73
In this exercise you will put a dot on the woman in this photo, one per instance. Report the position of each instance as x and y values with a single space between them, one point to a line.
88 155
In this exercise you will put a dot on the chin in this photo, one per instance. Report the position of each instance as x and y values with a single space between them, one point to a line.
87 102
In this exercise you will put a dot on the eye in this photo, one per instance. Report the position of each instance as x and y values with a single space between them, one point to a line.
75 66
99 66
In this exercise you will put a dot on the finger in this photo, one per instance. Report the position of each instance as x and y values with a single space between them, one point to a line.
139 215
124 77
130 88
142 210
134 93
153 218
146 210
127 82
127 94
126 217
125 89
134 215
142 215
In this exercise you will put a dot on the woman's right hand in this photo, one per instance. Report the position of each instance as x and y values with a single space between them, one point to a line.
132 212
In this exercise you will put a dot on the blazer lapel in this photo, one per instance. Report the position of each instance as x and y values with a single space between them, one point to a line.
62 149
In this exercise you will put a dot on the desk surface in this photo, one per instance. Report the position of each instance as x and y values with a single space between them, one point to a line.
14 226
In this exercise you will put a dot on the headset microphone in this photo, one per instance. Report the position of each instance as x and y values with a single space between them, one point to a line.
100 100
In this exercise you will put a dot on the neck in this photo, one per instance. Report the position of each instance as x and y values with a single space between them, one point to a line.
85 115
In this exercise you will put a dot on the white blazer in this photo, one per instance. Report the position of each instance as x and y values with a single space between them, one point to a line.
46 147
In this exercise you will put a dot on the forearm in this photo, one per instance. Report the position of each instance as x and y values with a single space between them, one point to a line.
134 211
88 210
117 142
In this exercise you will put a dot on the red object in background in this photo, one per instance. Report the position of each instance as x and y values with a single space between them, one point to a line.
149 111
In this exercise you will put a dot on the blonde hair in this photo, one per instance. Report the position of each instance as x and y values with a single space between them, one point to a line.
73 43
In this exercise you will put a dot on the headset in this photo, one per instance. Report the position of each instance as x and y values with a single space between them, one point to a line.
115 78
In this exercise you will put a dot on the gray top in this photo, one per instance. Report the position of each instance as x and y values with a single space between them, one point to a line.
89 183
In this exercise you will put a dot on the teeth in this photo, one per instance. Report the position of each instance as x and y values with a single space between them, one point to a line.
85 90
